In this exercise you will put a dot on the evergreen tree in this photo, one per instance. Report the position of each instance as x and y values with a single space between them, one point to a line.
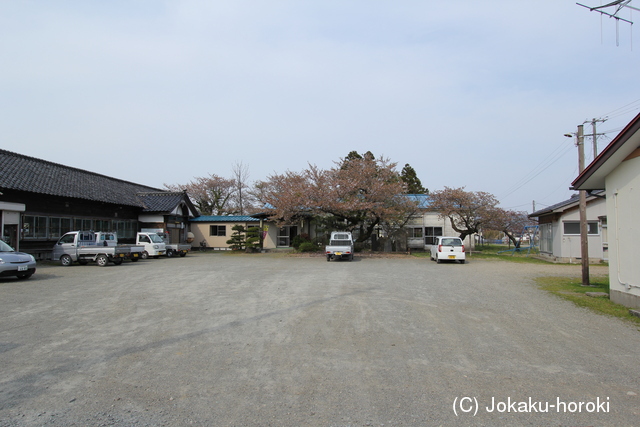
253 238
411 180
237 242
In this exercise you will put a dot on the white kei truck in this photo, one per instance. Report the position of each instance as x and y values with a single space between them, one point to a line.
81 247
340 246
172 249
109 238
153 244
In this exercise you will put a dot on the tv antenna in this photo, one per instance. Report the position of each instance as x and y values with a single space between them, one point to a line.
619 6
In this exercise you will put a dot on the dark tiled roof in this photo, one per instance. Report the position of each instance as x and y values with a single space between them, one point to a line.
161 201
23 173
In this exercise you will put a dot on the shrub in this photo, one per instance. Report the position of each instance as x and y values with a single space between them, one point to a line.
299 239
307 247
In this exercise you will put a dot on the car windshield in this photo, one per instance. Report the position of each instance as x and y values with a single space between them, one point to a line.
156 239
451 242
5 248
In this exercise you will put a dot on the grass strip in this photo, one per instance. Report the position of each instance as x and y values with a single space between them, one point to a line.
571 289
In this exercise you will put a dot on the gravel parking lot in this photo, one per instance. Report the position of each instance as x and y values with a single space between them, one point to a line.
269 340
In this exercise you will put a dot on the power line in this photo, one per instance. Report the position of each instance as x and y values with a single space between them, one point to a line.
535 172
628 110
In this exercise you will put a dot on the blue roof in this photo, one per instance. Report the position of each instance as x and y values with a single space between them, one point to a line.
422 199
224 218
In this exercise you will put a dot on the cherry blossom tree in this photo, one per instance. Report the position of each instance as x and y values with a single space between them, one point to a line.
211 195
360 193
510 222
468 211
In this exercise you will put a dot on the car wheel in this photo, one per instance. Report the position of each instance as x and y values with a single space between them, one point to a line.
438 261
117 261
102 260
65 260
462 261
169 253
183 254
145 255
135 259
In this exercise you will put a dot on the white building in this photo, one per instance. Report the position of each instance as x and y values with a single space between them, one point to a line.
560 229
617 171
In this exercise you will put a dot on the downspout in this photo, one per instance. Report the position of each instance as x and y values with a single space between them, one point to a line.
627 286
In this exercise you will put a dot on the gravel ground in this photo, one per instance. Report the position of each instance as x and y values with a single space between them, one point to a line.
269 340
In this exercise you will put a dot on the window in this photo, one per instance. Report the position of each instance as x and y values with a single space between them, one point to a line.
59 226
414 232
217 230
430 234
573 227
43 227
35 227
103 225
454 241
286 235
125 229
69 238
86 237
82 224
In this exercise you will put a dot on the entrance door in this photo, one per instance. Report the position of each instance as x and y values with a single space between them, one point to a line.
10 235
286 235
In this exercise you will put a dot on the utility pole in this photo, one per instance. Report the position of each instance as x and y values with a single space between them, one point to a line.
584 244
594 135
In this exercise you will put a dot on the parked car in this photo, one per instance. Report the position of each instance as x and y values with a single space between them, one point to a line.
14 263
340 246
110 238
81 246
153 244
448 249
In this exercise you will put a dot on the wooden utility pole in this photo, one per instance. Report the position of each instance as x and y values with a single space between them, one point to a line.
584 244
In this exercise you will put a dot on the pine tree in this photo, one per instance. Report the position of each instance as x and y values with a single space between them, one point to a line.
411 180
253 239
237 242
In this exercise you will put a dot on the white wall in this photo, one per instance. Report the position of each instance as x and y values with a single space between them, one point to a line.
150 218
432 219
567 247
623 207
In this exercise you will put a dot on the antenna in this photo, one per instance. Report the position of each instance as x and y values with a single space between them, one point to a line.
619 5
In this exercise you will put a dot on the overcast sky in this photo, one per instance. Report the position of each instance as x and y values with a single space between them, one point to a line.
470 93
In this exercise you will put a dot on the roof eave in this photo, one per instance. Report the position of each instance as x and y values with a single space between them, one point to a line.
593 176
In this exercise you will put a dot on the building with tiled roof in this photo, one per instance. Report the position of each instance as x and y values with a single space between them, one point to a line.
213 231
41 200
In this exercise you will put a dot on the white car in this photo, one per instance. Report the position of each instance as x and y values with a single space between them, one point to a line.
448 249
